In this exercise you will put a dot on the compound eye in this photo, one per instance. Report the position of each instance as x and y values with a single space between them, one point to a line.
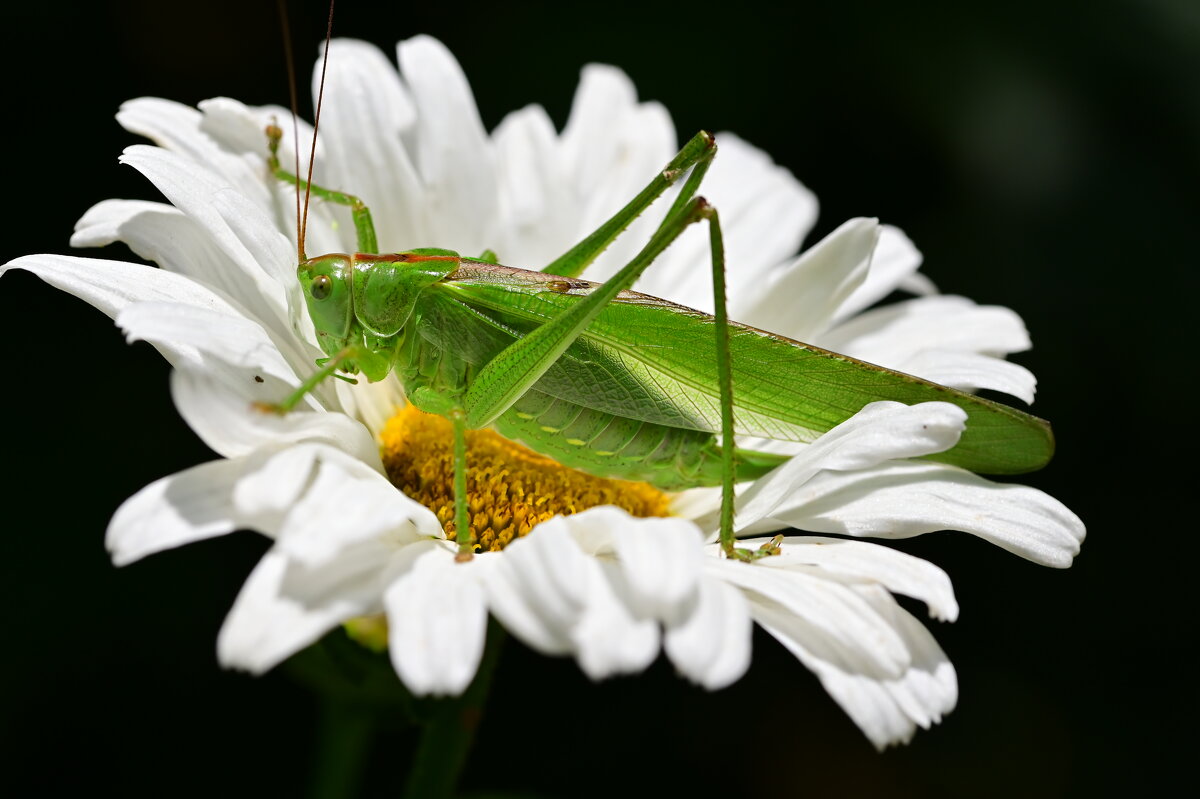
322 287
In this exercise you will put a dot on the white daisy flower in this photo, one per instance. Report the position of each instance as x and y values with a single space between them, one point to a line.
610 588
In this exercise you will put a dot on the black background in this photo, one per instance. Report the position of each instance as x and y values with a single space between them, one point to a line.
1042 155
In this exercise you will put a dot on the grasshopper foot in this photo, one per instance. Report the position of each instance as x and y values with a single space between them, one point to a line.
750 555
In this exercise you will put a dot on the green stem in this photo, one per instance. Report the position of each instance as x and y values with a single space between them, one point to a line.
450 730
343 746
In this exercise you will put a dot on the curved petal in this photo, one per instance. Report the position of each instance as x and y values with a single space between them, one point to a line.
888 710
510 602
712 645
180 129
272 481
270 621
656 563
110 286
605 94
348 503
453 154
880 432
610 148
437 621
894 265
660 562
239 227
191 505
177 243
904 498
226 419
608 639
765 214
226 345
556 598
538 589
645 141
165 235
538 208
970 371
366 113
799 298
241 129
860 561
889 334
835 621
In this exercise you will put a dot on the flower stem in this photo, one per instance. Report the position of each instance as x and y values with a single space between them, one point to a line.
344 743
450 730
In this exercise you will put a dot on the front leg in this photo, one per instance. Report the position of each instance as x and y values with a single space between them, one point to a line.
364 227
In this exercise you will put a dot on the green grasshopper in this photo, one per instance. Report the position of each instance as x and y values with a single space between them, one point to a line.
601 378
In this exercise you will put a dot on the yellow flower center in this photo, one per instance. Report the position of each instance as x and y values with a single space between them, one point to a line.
510 488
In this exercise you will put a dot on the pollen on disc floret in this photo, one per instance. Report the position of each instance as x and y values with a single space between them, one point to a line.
510 488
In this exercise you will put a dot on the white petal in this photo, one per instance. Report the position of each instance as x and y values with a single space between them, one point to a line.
269 622
696 504
645 140
223 416
861 561
192 505
238 128
453 154
241 129
112 285
608 639
892 333
512 605
605 94
540 210
372 403
834 620
712 645
889 709
346 503
241 229
799 298
765 211
969 371
163 234
654 564
556 598
893 266
177 243
228 345
437 621
525 148
765 214
903 499
538 590
179 128
661 562
366 112
880 432
612 146
272 481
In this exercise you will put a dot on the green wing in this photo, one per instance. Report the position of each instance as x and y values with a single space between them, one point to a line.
646 358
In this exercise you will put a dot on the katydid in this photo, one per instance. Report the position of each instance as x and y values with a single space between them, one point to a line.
601 378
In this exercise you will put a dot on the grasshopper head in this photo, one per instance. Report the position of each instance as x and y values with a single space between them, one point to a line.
327 285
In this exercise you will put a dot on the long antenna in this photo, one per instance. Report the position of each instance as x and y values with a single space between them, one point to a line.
312 155
290 59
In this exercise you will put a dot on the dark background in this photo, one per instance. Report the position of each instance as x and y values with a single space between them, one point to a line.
1042 155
